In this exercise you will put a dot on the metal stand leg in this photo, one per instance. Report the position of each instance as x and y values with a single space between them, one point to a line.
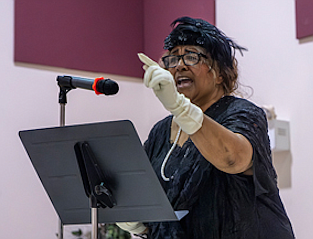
62 114
62 101
94 222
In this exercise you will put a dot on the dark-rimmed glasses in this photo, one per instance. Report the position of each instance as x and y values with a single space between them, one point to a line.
189 59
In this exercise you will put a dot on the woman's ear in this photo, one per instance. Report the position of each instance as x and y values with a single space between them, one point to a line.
219 80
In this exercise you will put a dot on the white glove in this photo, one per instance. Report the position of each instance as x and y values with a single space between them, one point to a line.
132 227
186 114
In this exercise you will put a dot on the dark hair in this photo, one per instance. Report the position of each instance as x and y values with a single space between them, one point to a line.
221 49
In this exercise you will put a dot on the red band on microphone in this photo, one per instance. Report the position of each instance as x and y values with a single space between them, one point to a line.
94 85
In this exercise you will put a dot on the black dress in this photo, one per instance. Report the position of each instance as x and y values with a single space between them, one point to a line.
221 205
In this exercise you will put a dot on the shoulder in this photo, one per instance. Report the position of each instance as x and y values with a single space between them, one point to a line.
158 133
244 117
162 125
235 103
231 106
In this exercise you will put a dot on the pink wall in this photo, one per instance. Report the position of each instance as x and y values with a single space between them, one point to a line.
98 35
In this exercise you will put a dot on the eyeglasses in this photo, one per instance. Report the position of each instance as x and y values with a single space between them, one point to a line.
189 59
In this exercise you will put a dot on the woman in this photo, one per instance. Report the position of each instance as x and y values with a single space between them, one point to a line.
212 155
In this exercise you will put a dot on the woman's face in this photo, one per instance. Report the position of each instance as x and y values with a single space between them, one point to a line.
197 82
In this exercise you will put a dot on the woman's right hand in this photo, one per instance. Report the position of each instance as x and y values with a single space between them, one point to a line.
187 115
132 227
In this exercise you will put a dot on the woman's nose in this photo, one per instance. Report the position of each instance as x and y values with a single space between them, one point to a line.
181 65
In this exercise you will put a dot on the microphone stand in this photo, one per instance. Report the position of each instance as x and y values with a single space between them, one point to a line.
62 102
94 210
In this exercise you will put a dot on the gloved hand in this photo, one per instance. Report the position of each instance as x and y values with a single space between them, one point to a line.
186 114
132 227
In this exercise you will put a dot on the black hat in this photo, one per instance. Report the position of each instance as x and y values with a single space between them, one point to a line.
198 32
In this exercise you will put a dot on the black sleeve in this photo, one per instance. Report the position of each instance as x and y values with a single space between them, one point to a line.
249 120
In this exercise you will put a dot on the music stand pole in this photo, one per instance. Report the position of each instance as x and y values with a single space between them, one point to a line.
94 182
94 223
94 217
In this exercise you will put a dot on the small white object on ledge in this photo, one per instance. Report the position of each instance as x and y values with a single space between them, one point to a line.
278 130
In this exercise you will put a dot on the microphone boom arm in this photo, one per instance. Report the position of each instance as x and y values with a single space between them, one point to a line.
69 82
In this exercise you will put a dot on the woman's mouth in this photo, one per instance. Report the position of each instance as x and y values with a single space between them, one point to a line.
184 82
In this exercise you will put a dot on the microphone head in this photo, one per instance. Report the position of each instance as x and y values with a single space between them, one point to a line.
107 87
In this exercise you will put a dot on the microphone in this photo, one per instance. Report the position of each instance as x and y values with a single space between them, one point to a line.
99 85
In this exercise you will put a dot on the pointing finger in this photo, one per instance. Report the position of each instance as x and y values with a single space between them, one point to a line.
146 60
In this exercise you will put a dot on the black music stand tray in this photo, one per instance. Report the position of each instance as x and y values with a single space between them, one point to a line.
119 180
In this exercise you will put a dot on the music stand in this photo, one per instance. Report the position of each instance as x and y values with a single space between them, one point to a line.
134 190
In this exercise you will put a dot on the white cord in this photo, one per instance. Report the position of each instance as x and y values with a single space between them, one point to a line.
168 155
